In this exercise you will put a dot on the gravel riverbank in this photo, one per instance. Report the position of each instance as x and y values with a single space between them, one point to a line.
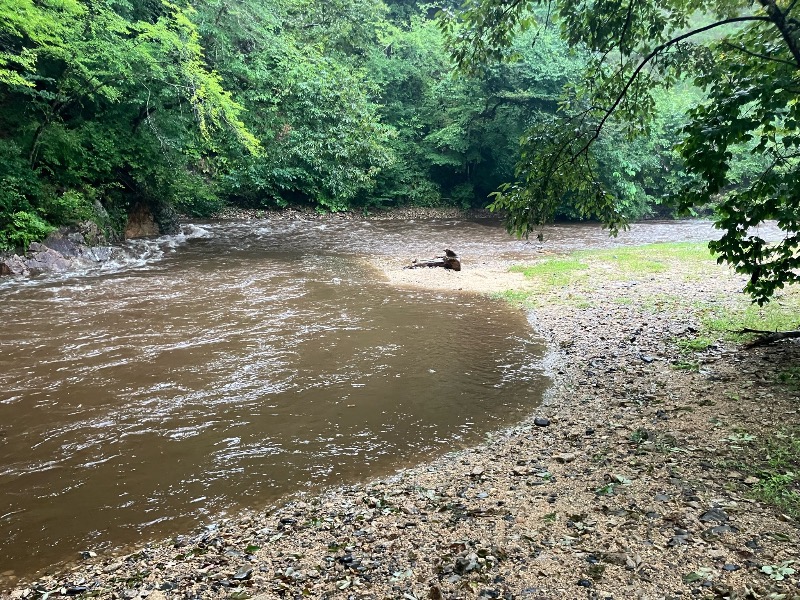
623 485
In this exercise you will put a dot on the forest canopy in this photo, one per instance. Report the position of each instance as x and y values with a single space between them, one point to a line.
188 107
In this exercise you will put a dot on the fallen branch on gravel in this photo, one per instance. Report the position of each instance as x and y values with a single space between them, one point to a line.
769 337
450 260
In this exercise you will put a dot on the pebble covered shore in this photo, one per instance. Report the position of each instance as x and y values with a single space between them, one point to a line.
619 486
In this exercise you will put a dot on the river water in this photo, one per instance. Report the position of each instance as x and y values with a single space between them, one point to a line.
244 361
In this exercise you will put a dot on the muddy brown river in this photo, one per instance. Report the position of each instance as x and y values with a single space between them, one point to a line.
244 361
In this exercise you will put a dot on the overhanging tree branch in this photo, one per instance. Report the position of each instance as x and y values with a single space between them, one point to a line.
744 50
653 53
789 31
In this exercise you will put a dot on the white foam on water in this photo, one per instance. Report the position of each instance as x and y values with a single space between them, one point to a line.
131 255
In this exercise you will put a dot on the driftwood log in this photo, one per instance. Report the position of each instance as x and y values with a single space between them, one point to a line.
450 261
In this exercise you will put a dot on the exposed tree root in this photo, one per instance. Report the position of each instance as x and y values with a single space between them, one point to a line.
769 337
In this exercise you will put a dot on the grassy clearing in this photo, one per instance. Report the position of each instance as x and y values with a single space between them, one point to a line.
650 259
612 264
568 279
565 279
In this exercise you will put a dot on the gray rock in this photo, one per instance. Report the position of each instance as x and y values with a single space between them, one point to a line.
716 515
41 259
466 564
541 422
13 265
66 244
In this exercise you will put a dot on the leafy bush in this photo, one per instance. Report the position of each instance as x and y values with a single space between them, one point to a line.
68 208
21 229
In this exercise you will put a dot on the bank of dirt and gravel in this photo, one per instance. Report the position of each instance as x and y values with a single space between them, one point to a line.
631 480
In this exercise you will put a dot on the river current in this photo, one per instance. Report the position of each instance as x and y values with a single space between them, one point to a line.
241 362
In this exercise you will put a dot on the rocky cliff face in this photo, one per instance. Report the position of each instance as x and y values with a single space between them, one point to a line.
141 223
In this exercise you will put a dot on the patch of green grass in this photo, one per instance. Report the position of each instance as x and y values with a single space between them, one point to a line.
775 460
780 490
635 260
650 259
696 344
790 377
555 272
550 517
580 302
686 365
775 316
522 297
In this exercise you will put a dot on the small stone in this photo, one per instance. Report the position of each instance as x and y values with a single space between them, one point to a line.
130 594
584 583
541 422
565 457
662 498
722 590
720 529
435 593
75 590
87 554
715 514
243 574
678 540
647 359
751 480
615 558
730 567
477 472
466 564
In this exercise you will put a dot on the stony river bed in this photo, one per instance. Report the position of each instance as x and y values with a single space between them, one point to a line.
618 486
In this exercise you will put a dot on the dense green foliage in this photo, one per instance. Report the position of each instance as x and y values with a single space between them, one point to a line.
109 104
738 143
105 105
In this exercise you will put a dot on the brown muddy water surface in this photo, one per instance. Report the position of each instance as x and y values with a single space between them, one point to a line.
244 361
